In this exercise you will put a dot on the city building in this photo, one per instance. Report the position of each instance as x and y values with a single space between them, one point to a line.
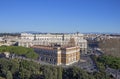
28 40
8 40
58 55
1 41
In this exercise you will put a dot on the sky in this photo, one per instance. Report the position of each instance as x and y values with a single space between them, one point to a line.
60 16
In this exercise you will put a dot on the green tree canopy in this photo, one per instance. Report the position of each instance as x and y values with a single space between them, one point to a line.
9 75
18 50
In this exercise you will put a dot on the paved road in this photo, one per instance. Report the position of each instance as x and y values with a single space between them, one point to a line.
28 59
115 73
87 64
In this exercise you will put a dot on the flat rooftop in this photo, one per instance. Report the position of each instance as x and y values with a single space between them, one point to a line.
43 47
53 47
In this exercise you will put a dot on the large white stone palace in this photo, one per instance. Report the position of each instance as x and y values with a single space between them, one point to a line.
28 40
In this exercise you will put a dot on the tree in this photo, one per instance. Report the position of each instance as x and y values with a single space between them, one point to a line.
18 50
113 62
59 73
9 75
47 72
54 73
110 46
75 73
2 78
24 73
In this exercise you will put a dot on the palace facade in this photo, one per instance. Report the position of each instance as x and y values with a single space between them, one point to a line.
28 40
58 55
